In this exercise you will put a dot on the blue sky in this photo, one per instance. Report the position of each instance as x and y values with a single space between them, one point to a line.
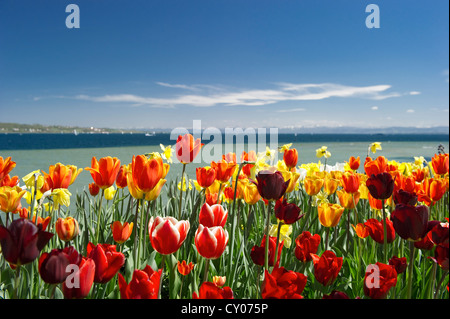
228 63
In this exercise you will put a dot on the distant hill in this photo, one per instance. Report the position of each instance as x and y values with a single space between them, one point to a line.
38 128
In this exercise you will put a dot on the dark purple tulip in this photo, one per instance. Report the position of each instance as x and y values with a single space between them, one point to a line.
22 241
399 263
410 222
403 197
53 265
288 213
381 185
271 185
336 295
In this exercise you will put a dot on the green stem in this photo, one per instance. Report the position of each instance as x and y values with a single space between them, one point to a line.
440 284
141 231
181 191
99 216
136 236
205 274
163 263
16 282
411 268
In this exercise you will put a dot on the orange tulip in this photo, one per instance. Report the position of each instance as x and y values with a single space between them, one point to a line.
184 268
440 164
375 203
224 170
350 182
354 163
187 149
330 185
10 198
377 166
146 172
347 200
432 190
229 157
59 176
205 176
313 185
361 230
104 172
248 157
420 174
121 232
8 181
329 214
6 166
67 228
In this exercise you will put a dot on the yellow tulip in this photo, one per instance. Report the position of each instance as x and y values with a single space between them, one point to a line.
10 198
154 193
251 194
110 192
330 185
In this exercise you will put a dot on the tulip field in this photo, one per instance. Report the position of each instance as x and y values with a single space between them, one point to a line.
244 227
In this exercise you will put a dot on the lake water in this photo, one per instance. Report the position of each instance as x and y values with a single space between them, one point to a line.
39 151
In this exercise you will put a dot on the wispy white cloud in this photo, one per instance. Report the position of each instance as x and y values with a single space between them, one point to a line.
414 93
207 95
374 108
410 111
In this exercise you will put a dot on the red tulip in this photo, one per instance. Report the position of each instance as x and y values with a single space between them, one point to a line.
426 243
258 252
209 290
410 222
107 261
214 215
305 245
248 157
380 186
211 241
167 234
205 176
379 279
290 158
283 284
287 213
376 230
121 179
94 189
53 266
271 185
350 182
187 149
354 163
22 241
143 285
326 267
83 276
